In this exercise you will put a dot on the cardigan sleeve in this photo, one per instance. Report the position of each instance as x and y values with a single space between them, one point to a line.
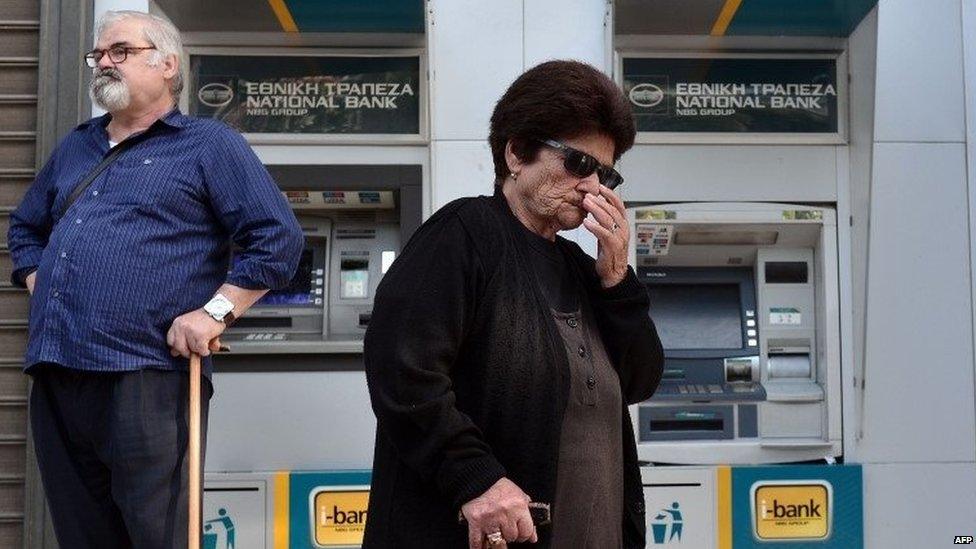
422 310
622 313
624 318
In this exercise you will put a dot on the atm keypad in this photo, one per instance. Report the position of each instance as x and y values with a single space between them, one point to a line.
698 389
266 336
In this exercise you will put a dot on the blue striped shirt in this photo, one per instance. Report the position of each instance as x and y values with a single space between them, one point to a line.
148 241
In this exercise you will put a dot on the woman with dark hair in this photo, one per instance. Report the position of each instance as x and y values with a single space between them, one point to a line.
501 358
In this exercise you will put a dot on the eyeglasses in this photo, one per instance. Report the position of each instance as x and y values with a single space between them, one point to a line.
581 165
118 54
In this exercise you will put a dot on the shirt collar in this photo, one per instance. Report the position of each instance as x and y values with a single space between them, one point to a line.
174 119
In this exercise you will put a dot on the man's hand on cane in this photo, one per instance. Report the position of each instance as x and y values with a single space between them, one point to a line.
194 332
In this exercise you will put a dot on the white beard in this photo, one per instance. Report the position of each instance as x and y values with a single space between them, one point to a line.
109 93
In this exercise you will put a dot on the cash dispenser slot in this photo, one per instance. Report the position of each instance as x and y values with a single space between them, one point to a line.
790 376
789 366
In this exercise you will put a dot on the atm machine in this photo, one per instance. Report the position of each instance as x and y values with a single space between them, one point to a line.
351 239
290 425
745 300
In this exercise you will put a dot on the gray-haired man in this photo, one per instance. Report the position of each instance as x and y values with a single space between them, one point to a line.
128 277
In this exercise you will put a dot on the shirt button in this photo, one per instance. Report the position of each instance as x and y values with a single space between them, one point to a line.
572 322
94 193
64 255
581 350
55 293
590 383
78 221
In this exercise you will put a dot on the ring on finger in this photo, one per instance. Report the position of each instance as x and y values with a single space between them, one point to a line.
614 228
495 538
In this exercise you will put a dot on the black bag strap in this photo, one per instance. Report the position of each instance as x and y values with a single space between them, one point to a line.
97 170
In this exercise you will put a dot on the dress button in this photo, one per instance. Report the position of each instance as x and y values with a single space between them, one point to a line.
572 322
590 382
64 255
55 293
78 221
94 193
581 350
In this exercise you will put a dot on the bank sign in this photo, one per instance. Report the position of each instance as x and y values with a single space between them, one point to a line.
796 507
345 95
733 95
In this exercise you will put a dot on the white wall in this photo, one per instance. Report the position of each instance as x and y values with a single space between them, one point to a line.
919 422
969 54
476 49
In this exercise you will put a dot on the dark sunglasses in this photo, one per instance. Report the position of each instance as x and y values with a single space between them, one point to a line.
580 164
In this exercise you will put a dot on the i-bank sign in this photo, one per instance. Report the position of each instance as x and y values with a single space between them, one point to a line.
793 506
791 510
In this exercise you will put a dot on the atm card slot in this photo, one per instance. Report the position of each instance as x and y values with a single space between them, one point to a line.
685 423
673 374
658 425
688 421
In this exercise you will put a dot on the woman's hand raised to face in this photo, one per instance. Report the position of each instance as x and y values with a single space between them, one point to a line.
609 225
502 508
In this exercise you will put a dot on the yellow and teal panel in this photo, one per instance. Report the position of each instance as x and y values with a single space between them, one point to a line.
312 16
795 507
770 507
320 510
387 16
741 17
798 17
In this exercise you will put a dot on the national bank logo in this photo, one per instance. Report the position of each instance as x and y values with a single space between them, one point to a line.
792 510
649 94
646 95
215 94
667 525
218 533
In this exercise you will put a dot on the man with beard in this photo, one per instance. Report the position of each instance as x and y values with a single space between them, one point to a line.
128 278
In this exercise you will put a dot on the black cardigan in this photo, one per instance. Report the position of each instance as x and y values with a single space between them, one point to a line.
469 378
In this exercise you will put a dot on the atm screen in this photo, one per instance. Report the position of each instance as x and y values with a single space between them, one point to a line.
299 290
697 316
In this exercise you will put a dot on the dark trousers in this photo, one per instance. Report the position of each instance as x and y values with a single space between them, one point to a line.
112 451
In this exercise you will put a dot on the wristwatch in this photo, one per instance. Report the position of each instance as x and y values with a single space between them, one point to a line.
220 309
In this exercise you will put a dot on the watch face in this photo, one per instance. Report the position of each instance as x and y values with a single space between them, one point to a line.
218 307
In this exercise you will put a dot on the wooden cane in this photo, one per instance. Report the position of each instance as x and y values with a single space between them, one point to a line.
194 466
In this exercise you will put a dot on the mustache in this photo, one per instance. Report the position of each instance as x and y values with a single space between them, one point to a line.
107 72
